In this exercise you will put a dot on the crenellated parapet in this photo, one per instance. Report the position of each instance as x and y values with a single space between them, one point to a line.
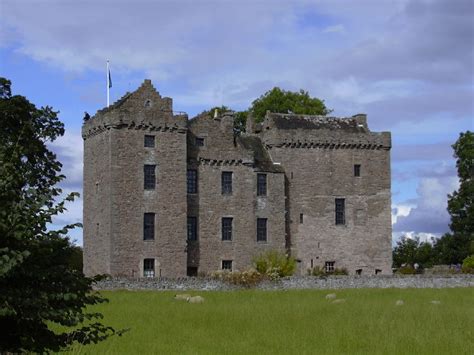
144 109
307 131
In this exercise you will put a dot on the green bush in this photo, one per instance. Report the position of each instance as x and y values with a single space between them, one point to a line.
247 278
468 265
320 271
275 264
406 270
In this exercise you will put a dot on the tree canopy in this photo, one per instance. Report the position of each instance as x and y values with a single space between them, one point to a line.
39 281
282 101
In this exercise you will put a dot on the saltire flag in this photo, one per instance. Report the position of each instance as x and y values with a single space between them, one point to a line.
110 80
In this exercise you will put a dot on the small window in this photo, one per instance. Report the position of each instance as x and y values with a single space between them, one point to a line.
192 271
227 265
329 266
199 142
301 218
149 141
192 181
149 268
148 103
227 228
192 228
261 184
226 182
378 271
261 229
357 170
359 272
340 211
149 177
149 226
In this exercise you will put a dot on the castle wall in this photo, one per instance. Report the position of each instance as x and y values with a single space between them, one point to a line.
319 166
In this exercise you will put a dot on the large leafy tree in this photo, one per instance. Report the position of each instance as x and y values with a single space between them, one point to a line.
39 284
411 251
454 247
281 101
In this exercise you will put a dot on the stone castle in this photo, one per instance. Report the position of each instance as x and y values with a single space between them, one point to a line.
165 196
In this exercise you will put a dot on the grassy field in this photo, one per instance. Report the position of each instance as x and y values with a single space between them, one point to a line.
291 322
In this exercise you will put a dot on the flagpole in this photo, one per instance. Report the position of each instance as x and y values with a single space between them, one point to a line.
108 85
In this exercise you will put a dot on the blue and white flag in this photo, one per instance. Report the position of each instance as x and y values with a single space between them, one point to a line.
110 80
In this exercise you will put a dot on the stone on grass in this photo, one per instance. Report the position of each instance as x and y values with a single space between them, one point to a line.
182 297
340 300
435 302
399 303
330 296
196 299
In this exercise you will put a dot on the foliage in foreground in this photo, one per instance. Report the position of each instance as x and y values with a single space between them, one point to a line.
468 265
40 284
321 271
275 264
247 278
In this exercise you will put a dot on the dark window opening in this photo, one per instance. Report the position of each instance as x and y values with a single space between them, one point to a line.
340 211
312 264
199 142
378 271
227 265
149 141
261 184
226 181
227 228
359 272
261 229
329 266
149 177
301 218
149 267
148 226
192 271
192 228
192 181
357 170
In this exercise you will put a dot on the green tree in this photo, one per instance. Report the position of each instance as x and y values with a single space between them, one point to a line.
39 287
410 251
454 247
281 101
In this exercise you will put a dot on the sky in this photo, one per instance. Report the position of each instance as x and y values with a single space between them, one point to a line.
407 64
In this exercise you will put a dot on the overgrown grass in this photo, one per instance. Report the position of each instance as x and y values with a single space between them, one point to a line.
290 322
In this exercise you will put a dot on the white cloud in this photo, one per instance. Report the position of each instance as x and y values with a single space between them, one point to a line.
335 29
69 151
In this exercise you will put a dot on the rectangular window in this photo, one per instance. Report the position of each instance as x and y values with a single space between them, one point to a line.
227 265
149 267
149 177
192 181
340 211
357 170
261 184
301 218
226 181
192 228
329 266
192 271
149 141
261 229
227 228
199 142
149 226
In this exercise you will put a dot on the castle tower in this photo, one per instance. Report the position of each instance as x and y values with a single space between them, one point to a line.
135 188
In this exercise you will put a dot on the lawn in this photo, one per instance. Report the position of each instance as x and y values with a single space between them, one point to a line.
290 322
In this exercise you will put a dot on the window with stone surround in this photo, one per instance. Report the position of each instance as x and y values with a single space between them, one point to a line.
192 181
329 266
149 141
227 228
149 177
226 182
340 211
149 226
301 218
199 142
261 184
192 228
261 229
357 170
149 267
227 265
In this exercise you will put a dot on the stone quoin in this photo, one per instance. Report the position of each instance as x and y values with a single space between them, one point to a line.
168 196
